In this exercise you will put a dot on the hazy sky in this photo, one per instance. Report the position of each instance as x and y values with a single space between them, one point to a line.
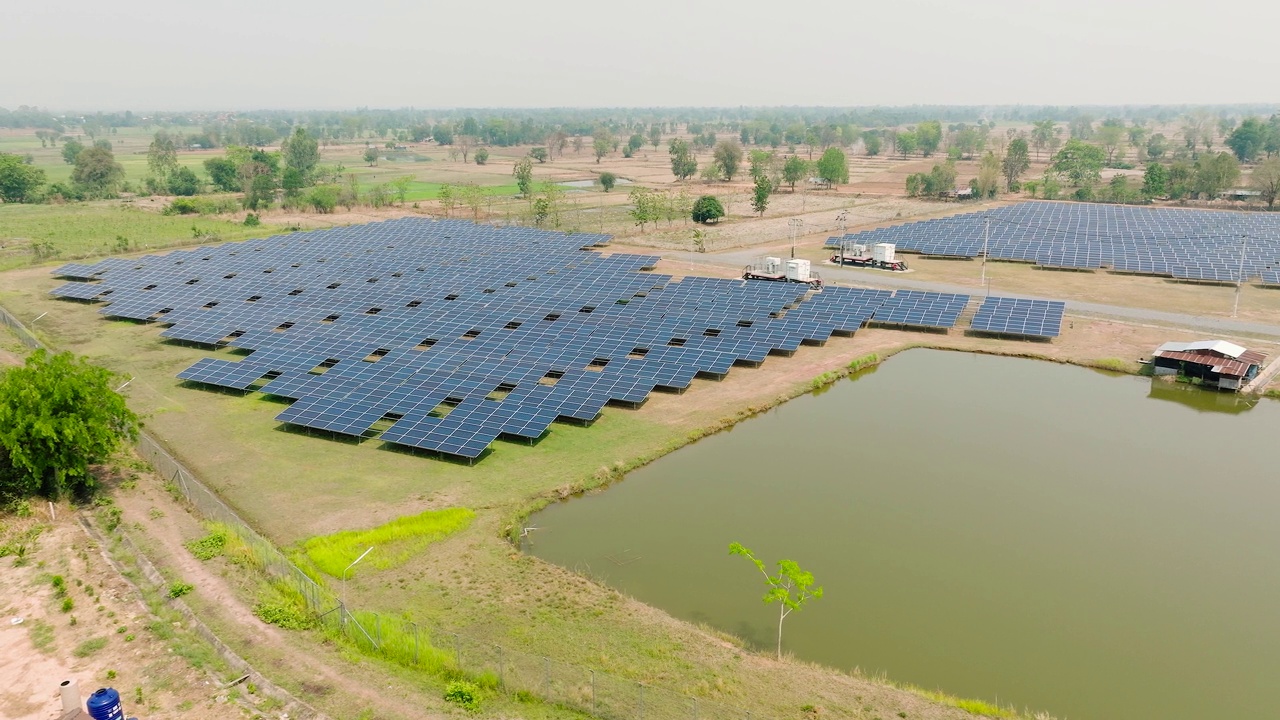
240 54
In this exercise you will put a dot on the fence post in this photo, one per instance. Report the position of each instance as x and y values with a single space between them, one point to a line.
457 650
695 708
641 700
546 677
415 643
502 682
593 692
377 631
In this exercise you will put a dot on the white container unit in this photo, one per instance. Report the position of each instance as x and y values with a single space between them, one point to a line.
772 264
884 252
798 270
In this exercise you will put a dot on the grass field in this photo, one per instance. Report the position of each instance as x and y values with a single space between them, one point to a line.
85 230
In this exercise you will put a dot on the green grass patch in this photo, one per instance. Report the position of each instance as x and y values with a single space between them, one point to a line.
421 190
83 230
89 647
41 634
969 705
210 546
392 543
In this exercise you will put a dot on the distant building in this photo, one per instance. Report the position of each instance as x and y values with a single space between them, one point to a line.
1238 194
1216 363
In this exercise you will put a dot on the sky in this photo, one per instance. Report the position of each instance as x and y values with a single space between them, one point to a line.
144 55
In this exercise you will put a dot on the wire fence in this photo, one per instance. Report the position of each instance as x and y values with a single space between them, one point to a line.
430 647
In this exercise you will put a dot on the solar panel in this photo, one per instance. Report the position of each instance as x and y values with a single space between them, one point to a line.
1015 316
922 309
444 335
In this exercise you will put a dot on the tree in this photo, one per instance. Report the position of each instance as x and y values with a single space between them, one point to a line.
794 170
608 180
906 143
1017 160
646 206
292 182
324 199
760 193
1155 180
261 191
1081 127
184 181
601 143
442 134
97 173
71 149
1112 139
301 152
655 135
162 155
929 136
1215 172
707 209
402 184
790 578
988 181
371 156
1248 140
222 173
1265 178
728 155
1157 145
1080 162
539 154
523 172
482 156
445 196
683 164
833 167
464 142
473 197
871 141
635 142
19 182
59 415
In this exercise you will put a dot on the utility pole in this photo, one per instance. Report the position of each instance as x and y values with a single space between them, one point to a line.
1244 246
796 224
841 223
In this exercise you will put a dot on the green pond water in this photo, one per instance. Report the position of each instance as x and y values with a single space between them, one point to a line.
1056 538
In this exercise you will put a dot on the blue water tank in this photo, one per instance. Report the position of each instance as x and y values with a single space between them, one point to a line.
104 704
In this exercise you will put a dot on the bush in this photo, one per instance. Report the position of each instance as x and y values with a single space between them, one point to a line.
463 694
252 220
209 546
707 209
608 180
323 198
182 206
184 182
482 156
178 589
283 614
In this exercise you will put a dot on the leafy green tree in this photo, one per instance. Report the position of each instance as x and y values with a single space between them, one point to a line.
1265 178
987 184
1181 174
646 206
601 144
162 156
1017 160
929 136
184 182
707 209
442 134
301 152
1081 127
635 142
402 185
794 170
473 196
539 154
19 182
324 198
523 172
371 156
906 143
655 135
541 210
1044 135
728 155
222 173
871 141
448 199
292 182
261 191
97 173
833 167
1157 146
1112 139
1248 140
941 180
482 156
608 180
1079 162
58 416
683 164
70 149
792 588
1215 172
1155 180
915 184
760 193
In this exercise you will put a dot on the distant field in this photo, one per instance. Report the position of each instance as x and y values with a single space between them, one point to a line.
86 230
420 190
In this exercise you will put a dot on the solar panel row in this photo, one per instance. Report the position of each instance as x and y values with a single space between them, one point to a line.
1014 316
1187 244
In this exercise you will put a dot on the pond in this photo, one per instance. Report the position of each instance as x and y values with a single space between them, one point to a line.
1053 537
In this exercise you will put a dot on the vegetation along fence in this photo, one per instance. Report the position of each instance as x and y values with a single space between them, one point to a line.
430 647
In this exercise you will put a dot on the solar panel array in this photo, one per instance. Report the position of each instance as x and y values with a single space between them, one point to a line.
1186 244
922 309
1014 316
449 335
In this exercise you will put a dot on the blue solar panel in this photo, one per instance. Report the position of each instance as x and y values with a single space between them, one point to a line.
446 335
922 309
1013 316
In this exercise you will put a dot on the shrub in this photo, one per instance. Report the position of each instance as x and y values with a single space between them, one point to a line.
608 180
323 198
463 694
482 156
182 206
209 546
178 589
89 647
252 220
707 209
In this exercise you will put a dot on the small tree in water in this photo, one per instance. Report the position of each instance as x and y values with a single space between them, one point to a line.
789 578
